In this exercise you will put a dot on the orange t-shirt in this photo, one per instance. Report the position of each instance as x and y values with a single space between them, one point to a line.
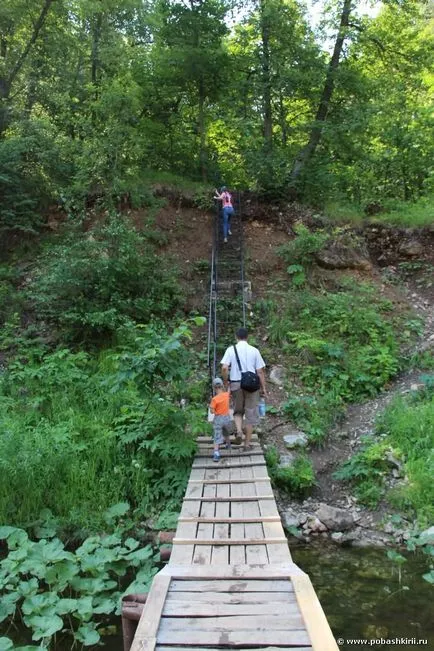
220 404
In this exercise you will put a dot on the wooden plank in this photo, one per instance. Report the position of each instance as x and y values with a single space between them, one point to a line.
207 609
231 586
228 481
220 553
160 647
249 498
231 520
145 637
246 623
255 552
229 541
207 439
203 453
236 597
202 554
320 634
233 638
239 464
236 530
245 571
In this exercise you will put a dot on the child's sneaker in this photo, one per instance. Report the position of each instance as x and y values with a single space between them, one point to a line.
229 232
216 456
228 445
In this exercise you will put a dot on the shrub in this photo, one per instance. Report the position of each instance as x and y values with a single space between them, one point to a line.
301 250
78 434
98 281
296 479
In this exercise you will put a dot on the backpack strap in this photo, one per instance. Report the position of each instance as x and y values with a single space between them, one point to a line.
238 359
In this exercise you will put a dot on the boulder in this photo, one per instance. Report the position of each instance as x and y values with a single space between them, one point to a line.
277 375
286 460
411 248
295 439
314 525
344 252
337 536
335 519
290 519
427 536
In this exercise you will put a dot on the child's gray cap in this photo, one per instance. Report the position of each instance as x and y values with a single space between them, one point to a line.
217 382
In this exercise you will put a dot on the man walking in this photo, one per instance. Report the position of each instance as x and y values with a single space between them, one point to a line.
237 360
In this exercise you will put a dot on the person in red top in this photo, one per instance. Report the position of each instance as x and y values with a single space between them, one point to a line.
228 210
219 406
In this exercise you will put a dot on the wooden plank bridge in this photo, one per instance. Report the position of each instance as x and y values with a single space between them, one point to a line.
230 582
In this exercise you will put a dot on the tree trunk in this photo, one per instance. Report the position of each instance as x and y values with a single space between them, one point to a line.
7 81
202 149
309 149
266 80
96 37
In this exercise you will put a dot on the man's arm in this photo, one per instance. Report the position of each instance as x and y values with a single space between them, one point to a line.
225 374
261 374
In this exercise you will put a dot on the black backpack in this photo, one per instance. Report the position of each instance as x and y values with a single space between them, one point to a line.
249 379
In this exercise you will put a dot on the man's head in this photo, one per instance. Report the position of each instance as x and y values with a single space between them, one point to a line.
242 334
218 384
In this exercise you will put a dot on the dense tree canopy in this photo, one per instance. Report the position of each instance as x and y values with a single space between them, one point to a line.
94 93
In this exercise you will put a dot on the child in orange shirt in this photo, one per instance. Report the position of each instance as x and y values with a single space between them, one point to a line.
219 406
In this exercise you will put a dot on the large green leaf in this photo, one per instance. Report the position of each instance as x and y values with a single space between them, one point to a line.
44 625
87 635
6 644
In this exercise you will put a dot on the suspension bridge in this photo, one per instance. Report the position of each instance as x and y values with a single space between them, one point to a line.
230 582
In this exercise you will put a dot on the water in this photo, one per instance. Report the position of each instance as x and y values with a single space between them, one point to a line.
361 594
363 598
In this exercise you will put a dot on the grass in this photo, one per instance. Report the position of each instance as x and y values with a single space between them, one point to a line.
405 430
405 214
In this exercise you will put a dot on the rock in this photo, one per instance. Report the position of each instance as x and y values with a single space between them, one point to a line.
295 439
392 460
411 248
286 460
302 517
335 519
363 543
344 252
277 375
314 525
337 536
427 536
290 519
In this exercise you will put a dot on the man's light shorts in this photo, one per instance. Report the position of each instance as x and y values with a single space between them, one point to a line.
245 403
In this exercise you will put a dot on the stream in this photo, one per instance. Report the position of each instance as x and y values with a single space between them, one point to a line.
364 597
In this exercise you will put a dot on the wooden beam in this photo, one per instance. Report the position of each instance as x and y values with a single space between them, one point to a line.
321 636
249 498
263 571
146 634
248 464
269 518
251 480
229 541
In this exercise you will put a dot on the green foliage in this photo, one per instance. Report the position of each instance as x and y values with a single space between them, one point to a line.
100 280
406 428
296 479
300 251
79 434
366 470
340 347
52 589
409 426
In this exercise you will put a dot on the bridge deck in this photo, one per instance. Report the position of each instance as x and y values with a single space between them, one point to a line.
231 582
